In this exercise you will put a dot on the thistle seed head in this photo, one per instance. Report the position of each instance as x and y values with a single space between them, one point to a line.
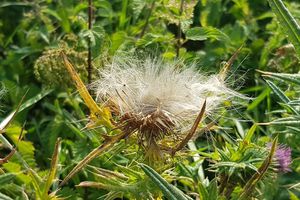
156 98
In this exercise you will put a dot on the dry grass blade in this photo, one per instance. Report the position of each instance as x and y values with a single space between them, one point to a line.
191 132
5 160
109 142
229 63
11 116
97 114
53 169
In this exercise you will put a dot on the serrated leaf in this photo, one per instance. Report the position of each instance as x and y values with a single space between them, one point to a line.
251 183
204 33
288 121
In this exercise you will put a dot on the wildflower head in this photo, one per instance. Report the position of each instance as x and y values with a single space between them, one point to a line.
283 158
157 99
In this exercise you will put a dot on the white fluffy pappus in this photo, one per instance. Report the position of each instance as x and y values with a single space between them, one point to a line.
154 96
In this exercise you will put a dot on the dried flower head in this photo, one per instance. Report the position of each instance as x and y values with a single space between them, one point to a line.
155 98
49 69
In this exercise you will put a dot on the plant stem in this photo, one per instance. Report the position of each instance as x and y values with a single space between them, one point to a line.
147 19
178 45
90 67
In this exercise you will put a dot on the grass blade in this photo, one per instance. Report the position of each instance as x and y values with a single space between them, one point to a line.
53 169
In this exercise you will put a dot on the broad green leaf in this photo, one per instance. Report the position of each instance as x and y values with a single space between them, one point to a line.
168 190
204 33
288 23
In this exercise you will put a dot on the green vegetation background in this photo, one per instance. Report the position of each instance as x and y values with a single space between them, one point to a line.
32 32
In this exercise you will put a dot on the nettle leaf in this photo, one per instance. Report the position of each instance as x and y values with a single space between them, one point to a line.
25 148
15 168
288 23
204 33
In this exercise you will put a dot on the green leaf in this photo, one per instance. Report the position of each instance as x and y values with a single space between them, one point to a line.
293 78
258 99
287 22
53 168
287 121
4 197
281 95
250 133
6 178
168 190
262 170
278 92
293 196
35 99
204 33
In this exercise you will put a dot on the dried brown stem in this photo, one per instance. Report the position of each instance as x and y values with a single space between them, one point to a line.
108 142
5 160
229 63
191 132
